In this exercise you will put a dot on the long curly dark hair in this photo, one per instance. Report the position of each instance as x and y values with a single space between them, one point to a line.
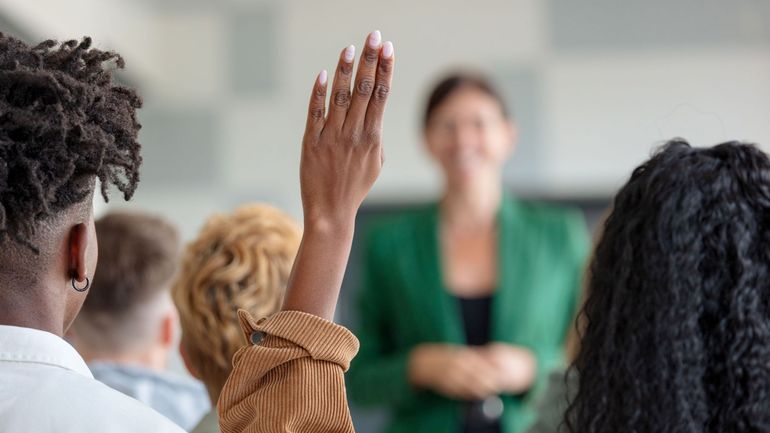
676 331
63 122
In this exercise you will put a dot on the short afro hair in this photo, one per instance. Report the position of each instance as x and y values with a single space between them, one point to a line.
63 123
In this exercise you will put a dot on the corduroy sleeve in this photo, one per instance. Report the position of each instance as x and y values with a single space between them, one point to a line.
290 378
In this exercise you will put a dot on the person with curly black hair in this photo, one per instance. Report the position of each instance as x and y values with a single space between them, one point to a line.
63 125
677 321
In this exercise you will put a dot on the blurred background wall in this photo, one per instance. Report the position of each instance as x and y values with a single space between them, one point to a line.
594 86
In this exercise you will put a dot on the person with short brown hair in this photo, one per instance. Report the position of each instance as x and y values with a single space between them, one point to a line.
238 261
128 325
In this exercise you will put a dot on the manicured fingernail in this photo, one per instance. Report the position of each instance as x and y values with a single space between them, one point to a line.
375 38
387 50
322 77
350 53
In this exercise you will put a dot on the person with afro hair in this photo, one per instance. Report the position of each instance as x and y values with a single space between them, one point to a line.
64 125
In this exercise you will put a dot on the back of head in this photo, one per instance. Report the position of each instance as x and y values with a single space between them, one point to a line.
238 261
138 258
63 123
677 335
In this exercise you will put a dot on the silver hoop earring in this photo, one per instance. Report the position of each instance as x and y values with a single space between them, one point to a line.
81 289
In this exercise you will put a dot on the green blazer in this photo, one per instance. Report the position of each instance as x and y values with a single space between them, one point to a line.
403 303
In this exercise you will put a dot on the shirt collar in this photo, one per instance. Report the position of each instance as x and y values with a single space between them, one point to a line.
27 345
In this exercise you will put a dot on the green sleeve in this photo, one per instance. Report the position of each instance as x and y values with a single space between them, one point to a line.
574 239
378 374
577 245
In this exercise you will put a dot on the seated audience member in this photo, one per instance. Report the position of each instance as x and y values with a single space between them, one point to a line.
238 261
676 334
63 124
126 329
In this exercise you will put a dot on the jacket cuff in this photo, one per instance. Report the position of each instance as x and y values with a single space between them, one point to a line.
322 339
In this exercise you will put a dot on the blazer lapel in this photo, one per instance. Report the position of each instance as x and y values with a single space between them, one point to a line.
507 303
438 302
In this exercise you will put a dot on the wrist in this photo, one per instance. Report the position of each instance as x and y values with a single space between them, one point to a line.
417 373
338 226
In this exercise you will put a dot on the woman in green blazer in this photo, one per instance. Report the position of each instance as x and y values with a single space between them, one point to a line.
465 303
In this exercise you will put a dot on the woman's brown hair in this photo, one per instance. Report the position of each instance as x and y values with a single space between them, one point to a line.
457 81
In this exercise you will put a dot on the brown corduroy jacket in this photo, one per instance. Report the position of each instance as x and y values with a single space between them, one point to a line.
290 378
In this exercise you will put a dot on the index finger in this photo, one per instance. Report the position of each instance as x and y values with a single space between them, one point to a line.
376 108
316 112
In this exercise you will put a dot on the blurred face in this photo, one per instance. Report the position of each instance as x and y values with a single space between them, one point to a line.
469 136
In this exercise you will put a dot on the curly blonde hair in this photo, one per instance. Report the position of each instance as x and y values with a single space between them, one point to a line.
239 260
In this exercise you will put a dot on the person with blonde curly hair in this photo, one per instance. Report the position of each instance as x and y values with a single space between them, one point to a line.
242 261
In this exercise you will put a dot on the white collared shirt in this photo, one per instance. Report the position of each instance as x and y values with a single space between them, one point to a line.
45 386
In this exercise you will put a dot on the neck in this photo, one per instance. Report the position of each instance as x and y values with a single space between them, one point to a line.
152 359
29 307
473 206
213 394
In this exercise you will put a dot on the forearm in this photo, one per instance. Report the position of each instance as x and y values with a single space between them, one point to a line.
319 267
293 379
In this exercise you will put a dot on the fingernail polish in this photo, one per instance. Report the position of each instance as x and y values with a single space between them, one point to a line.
387 50
322 77
350 53
375 38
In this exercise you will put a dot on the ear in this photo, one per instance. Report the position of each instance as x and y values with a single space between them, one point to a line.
186 359
429 143
167 327
78 252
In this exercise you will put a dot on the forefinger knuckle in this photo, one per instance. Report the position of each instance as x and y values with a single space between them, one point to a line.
316 113
346 68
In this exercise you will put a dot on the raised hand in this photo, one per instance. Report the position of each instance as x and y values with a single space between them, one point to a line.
342 151
341 159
